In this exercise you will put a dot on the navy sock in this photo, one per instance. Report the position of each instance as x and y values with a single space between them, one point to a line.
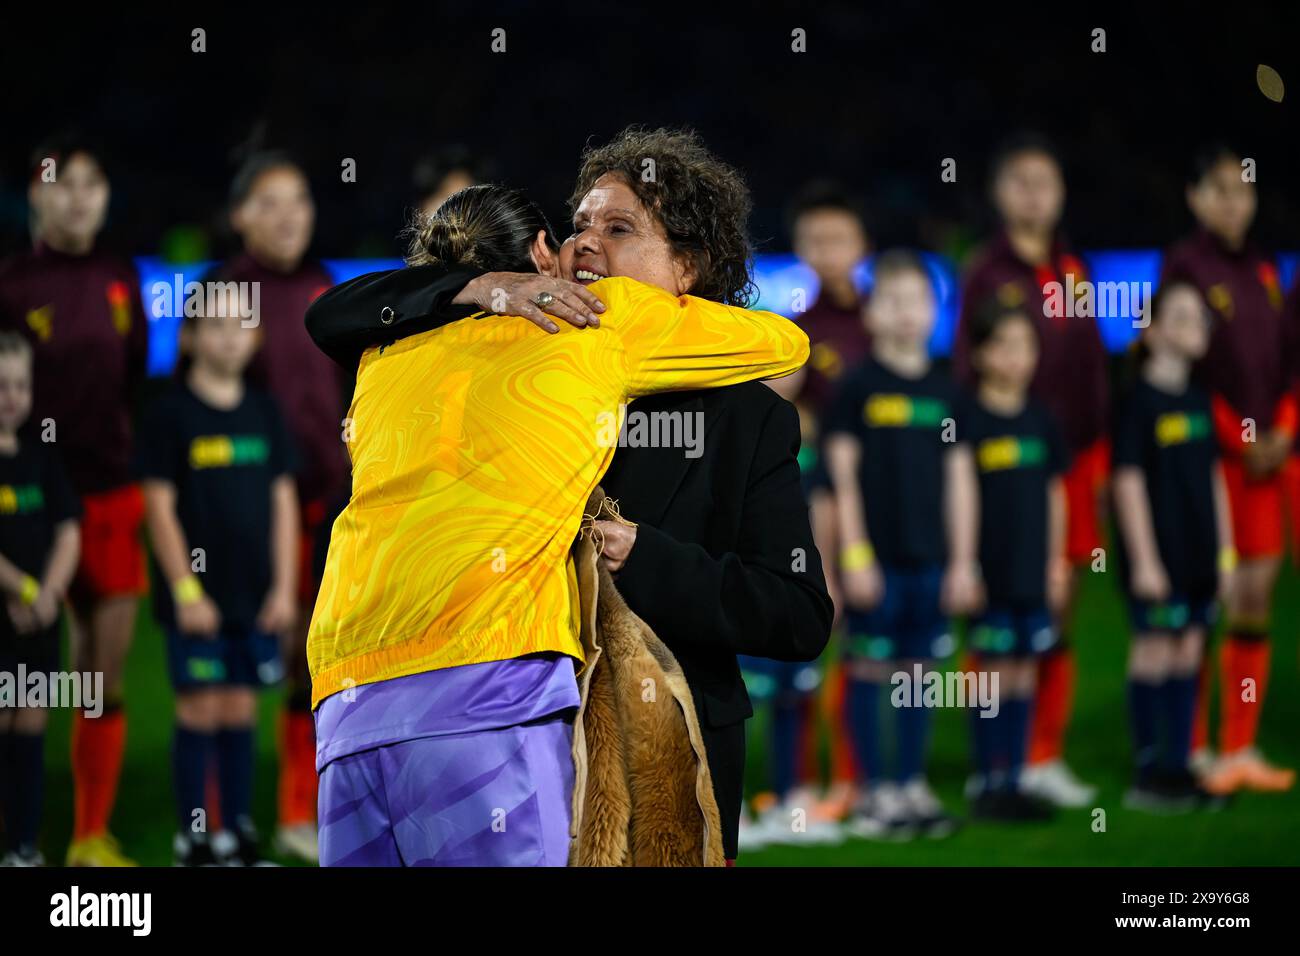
1144 705
235 774
997 735
191 756
983 742
913 731
27 789
864 724
1013 721
1180 713
785 744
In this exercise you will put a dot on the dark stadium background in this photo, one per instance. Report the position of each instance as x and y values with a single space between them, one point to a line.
884 93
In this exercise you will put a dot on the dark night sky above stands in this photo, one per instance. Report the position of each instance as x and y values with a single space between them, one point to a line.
879 99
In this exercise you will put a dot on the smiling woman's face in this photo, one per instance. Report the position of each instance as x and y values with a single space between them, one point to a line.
615 235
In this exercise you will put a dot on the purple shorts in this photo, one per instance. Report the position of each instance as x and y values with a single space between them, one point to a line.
487 798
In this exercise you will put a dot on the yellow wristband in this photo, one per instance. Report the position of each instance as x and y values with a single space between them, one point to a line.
858 556
187 590
1227 559
30 590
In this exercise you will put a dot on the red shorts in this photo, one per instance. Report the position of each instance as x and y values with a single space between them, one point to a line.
1084 483
1256 506
112 554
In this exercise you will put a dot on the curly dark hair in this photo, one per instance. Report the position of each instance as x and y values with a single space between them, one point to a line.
702 203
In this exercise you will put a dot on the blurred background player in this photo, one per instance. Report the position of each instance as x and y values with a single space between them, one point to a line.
80 309
1171 508
444 171
39 549
828 233
1291 470
899 486
272 212
829 236
1029 252
1019 457
216 465
1255 421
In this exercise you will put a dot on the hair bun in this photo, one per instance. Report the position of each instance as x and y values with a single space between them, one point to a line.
448 238
488 226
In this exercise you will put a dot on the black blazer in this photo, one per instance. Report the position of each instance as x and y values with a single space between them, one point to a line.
724 561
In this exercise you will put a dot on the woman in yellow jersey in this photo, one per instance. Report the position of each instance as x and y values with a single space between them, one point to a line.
721 560
444 639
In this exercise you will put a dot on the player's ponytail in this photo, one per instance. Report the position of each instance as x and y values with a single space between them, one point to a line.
448 239
489 226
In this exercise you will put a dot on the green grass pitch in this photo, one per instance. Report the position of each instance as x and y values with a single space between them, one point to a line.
1255 830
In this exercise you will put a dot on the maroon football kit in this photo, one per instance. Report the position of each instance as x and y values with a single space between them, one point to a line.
1291 474
1071 377
1245 372
838 343
84 319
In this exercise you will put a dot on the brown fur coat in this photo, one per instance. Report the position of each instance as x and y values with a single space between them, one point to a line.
642 793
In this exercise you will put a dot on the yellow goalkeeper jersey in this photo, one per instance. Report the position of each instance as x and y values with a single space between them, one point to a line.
474 449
